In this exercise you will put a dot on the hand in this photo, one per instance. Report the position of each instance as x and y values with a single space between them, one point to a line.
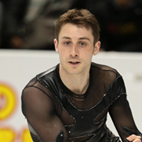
134 138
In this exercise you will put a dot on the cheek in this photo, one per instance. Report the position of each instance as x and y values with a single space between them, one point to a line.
89 52
87 55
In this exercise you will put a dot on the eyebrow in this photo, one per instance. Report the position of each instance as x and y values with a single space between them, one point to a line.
86 38
66 37
81 38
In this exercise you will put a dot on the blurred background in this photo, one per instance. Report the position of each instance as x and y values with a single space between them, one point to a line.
29 24
26 49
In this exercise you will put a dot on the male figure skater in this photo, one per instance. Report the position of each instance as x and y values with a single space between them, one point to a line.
70 102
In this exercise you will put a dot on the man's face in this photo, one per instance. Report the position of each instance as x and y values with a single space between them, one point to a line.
75 47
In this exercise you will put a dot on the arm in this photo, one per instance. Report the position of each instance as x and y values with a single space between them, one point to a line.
121 115
38 108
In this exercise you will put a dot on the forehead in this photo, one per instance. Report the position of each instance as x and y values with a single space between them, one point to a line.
72 30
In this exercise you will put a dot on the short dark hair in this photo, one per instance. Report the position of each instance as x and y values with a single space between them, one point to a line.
79 17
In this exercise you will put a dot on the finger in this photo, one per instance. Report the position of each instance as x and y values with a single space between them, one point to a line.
134 138
137 140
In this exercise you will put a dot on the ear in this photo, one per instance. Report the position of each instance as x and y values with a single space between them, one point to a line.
97 47
56 45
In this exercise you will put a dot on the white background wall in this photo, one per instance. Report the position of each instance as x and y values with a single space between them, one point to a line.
17 67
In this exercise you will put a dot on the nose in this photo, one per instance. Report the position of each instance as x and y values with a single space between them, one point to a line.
74 51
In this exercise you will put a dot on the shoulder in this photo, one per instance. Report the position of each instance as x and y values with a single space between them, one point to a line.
41 76
104 68
104 73
46 74
38 87
109 78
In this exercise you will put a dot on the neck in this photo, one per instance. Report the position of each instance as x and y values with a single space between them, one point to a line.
76 83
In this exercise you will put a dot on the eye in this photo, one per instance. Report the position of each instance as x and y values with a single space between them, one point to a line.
67 43
82 44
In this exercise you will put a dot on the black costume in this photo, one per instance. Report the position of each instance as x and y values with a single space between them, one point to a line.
67 116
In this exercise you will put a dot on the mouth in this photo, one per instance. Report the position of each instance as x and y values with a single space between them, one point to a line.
74 62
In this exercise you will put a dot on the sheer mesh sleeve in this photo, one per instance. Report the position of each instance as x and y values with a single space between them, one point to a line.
121 115
38 108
